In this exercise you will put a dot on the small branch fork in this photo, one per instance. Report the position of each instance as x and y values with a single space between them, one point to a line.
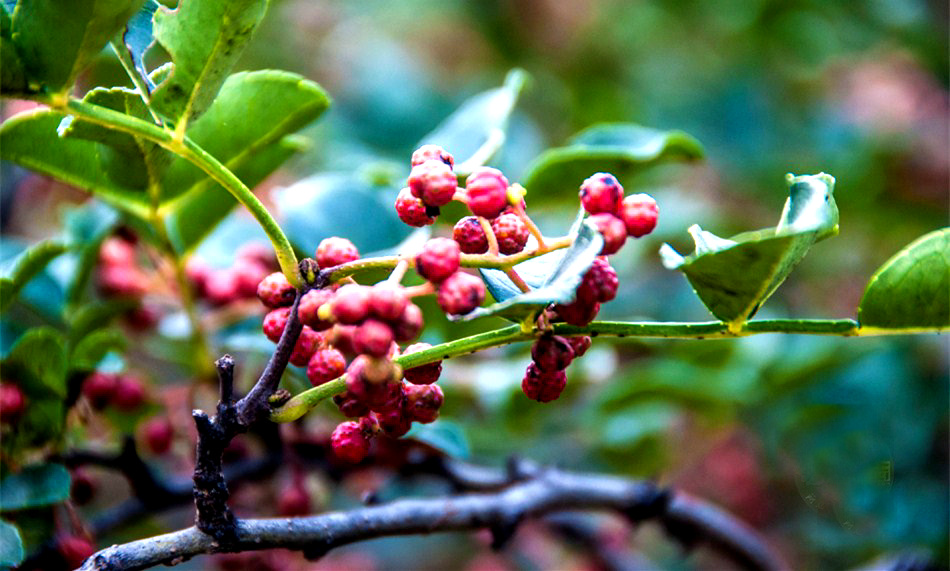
523 491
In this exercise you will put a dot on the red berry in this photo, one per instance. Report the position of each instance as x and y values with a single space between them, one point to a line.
411 210
433 182
117 252
601 193
470 235
325 365
335 251
294 501
248 274
613 231
552 353
82 488
158 434
639 213
123 281
351 304
579 344
579 313
274 323
306 346
197 271
258 252
423 402
543 386
394 422
221 287
12 402
350 406
438 259
487 192
99 388
431 152
74 549
129 393
308 310
423 374
373 337
275 291
349 443
409 324
599 284
511 233
387 301
461 293
341 337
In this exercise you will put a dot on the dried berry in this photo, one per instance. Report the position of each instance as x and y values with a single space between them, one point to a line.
461 293
431 152
394 422
613 231
433 182
639 213
487 192
325 365
423 402
470 235
511 233
543 386
274 323
601 193
335 251
411 210
552 353
275 291
350 406
349 443
579 344
423 374
438 259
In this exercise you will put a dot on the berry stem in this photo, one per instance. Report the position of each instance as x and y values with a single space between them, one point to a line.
516 279
399 272
532 227
419 290
489 235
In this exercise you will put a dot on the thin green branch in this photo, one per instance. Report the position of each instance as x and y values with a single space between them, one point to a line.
191 152
307 400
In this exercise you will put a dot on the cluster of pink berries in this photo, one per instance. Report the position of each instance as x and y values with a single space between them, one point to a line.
364 324
120 275
615 216
127 393
252 263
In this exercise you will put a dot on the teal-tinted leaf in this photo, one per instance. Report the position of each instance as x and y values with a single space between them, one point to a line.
621 148
25 267
138 37
204 40
912 289
93 348
337 204
30 139
196 214
445 436
734 276
40 354
34 486
56 39
559 273
11 545
476 130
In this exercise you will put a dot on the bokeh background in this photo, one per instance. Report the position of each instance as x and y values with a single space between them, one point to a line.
836 449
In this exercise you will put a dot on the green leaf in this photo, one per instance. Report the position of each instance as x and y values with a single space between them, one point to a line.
92 348
476 130
622 149
25 267
559 274
30 139
339 204
204 40
40 354
734 276
247 128
34 486
96 315
12 74
443 435
912 289
56 39
11 545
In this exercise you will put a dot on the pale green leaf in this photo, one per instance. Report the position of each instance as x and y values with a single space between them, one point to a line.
34 486
40 354
734 276
204 40
912 289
